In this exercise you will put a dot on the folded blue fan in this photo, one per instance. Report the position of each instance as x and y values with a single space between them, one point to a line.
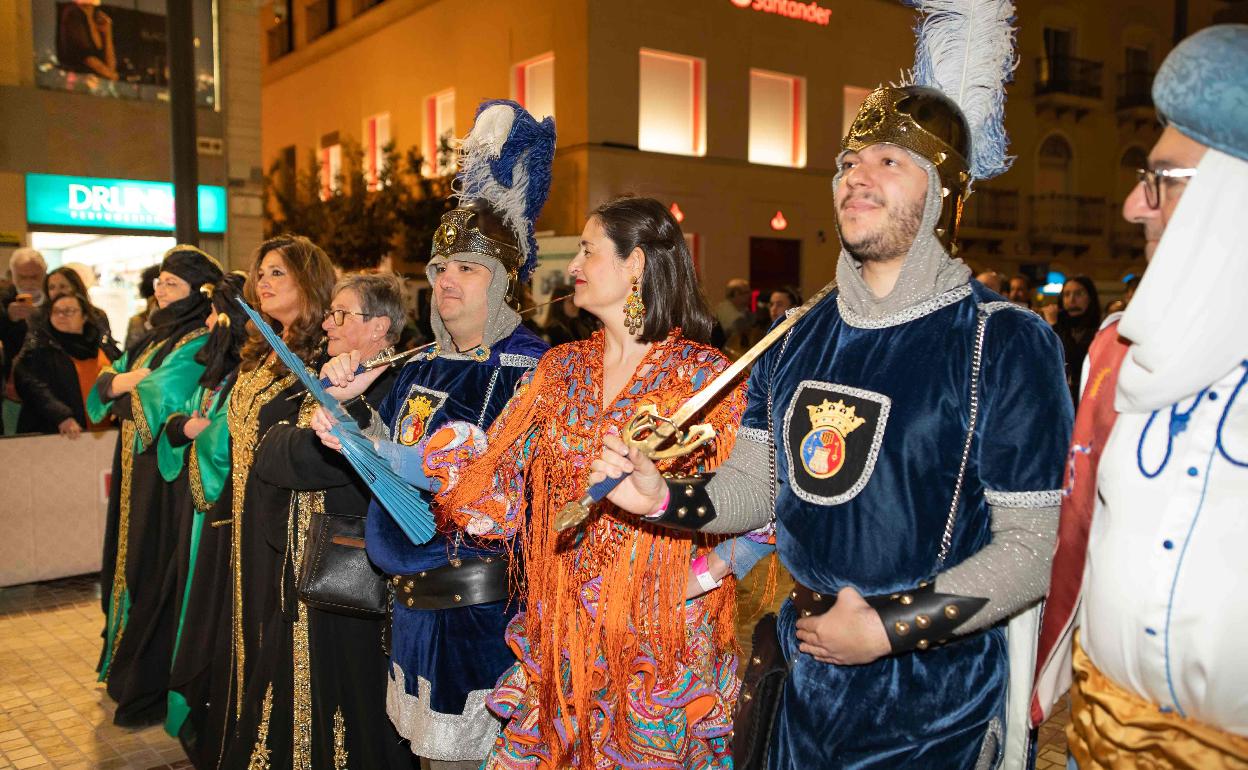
403 501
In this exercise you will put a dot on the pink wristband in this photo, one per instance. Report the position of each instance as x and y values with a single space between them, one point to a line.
702 574
667 499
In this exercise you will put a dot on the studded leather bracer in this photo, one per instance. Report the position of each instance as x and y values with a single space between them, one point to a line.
689 507
922 618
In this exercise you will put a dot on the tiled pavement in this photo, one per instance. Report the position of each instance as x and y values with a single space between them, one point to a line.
53 714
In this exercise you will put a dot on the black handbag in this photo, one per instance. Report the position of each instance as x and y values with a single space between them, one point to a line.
336 575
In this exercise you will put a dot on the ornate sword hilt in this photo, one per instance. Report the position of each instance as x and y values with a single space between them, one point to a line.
658 437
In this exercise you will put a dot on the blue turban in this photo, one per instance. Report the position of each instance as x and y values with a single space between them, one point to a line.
1202 88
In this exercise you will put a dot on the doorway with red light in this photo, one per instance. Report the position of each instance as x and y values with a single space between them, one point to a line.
775 263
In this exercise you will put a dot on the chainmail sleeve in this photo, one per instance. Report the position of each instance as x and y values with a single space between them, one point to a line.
1012 571
740 489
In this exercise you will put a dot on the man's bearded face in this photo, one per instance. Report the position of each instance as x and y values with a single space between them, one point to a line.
879 202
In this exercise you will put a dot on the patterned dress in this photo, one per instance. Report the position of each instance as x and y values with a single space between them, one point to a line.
650 676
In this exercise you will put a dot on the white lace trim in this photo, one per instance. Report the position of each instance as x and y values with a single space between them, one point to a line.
991 307
515 359
911 313
757 435
1048 498
434 735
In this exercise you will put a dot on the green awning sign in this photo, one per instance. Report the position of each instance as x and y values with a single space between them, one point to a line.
115 204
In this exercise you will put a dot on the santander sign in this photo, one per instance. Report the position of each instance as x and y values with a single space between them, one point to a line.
794 9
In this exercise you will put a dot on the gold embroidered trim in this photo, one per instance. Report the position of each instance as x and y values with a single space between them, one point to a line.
140 420
197 483
253 390
123 536
136 402
340 741
300 518
260 754
194 473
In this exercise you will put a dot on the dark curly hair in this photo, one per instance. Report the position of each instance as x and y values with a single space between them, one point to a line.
314 275
220 355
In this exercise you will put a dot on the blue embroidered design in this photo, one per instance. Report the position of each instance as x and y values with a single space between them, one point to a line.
1226 410
1178 424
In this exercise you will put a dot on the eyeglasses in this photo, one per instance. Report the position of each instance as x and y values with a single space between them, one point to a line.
1152 179
169 283
67 312
340 316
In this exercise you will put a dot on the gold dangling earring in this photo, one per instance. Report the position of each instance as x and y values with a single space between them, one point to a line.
634 310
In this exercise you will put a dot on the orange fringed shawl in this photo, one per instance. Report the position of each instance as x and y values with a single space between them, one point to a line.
614 589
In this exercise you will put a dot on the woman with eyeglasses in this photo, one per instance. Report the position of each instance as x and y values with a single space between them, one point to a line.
58 367
142 389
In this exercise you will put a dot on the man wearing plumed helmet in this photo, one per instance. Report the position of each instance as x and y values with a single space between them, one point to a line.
916 424
451 601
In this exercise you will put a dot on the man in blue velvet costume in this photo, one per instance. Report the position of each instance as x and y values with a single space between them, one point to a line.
917 425
450 599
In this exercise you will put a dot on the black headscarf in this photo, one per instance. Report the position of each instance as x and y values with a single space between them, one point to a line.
171 323
220 355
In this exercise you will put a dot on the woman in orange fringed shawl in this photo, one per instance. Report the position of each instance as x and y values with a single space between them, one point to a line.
607 644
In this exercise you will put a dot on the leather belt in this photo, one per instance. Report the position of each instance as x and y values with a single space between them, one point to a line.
462 583
809 602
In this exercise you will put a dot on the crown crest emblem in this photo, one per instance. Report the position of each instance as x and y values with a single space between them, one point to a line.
420 406
835 415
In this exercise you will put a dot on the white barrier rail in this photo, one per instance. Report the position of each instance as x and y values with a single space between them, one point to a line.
53 502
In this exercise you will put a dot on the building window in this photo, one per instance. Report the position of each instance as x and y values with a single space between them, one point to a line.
286 172
533 85
777 119
322 16
854 97
331 165
376 137
439 131
672 115
1053 166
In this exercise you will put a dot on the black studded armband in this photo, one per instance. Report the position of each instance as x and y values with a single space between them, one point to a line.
688 505
922 618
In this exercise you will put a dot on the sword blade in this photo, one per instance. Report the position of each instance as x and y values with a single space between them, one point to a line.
703 397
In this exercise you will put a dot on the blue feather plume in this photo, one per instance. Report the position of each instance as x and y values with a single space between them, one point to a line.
506 159
403 501
965 48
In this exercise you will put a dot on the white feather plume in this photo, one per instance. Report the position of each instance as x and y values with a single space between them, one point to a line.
484 144
965 48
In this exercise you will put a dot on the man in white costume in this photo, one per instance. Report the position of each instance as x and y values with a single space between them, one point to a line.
1147 602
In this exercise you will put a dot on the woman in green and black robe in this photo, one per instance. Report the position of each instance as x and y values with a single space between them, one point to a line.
142 389
194 455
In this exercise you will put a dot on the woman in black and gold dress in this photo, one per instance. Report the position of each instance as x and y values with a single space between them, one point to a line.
234 595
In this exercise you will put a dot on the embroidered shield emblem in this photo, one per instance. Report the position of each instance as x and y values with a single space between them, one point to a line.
418 410
832 438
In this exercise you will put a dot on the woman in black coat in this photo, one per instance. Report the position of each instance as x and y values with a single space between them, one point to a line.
59 365
1077 323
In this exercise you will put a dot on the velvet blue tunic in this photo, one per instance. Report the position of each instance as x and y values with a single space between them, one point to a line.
461 650
869 418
